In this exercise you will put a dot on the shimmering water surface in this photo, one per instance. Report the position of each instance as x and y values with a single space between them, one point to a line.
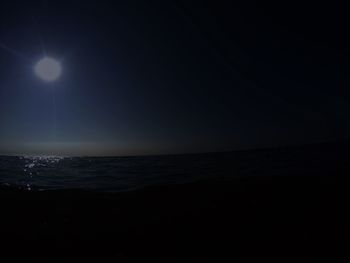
127 173
103 173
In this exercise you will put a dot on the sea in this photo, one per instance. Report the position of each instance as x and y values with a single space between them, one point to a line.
115 174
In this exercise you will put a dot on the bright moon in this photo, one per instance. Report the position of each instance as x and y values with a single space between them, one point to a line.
48 69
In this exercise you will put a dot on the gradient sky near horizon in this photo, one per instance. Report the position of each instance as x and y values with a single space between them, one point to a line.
145 77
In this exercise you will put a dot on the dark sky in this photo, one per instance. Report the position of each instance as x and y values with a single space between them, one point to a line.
145 77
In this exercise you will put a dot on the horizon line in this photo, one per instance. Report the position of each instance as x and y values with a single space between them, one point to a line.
180 153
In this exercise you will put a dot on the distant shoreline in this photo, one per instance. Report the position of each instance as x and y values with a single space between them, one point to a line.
334 143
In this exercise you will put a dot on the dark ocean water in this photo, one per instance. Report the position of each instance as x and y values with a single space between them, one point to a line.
105 173
128 173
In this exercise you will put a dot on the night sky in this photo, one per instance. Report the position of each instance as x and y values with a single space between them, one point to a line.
149 77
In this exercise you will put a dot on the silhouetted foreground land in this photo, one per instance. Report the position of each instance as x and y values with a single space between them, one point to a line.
283 219
292 218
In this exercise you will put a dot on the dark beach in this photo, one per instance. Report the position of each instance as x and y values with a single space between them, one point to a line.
296 217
